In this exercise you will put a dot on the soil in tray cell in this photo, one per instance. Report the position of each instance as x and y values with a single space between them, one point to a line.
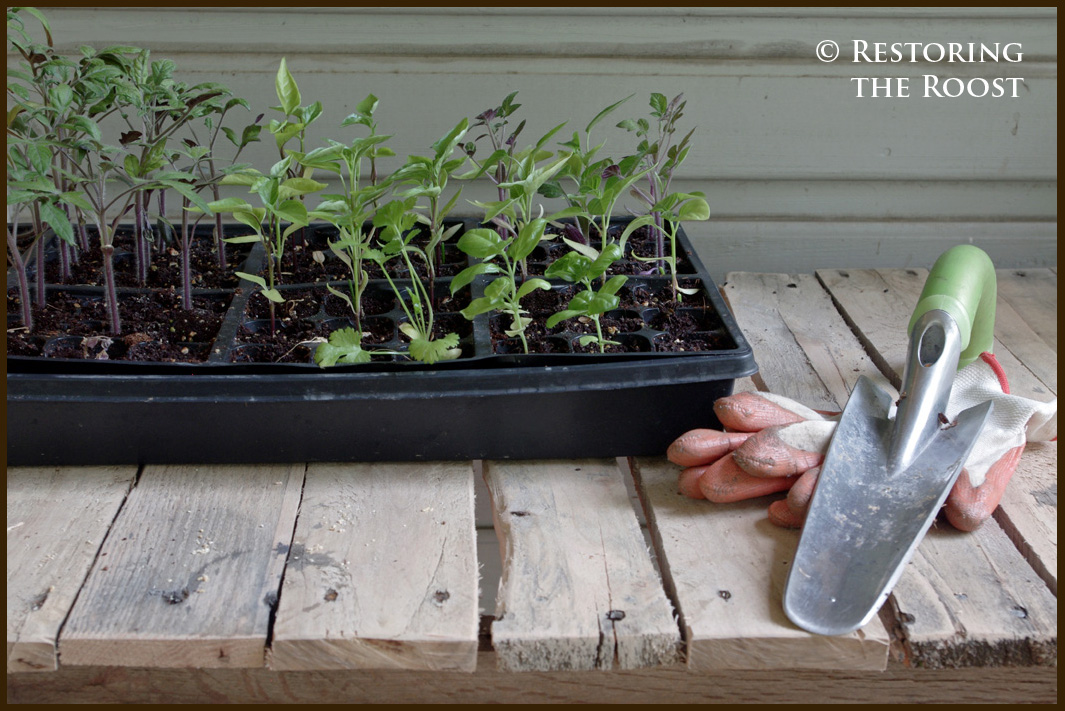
310 314
165 268
640 243
155 328
649 318
309 259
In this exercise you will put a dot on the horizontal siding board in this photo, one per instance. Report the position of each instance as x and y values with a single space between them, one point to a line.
489 32
782 246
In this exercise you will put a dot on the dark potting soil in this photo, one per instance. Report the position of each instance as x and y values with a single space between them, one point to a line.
154 328
640 243
647 319
165 268
310 314
309 259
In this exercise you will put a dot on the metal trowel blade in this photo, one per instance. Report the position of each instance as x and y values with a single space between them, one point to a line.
866 518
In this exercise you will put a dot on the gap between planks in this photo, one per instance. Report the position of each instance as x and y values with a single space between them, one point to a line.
578 588
383 571
189 571
57 519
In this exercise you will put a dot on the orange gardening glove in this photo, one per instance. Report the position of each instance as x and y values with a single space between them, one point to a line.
772 444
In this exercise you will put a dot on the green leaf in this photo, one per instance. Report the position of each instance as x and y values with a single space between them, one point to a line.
273 295
245 177
287 91
694 209
478 307
570 266
468 274
573 211
227 205
57 219
40 157
522 246
635 225
293 211
301 186
602 114
610 254
430 352
186 191
60 96
254 279
250 134
482 243
344 346
44 22
658 103
614 284
367 106
244 239
531 285
584 249
518 325
132 166
561 316
76 199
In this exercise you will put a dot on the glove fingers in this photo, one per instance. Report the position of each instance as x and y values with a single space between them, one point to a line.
967 506
750 412
781 515
688 482
767 454
699 447
724 482
791 512
799 495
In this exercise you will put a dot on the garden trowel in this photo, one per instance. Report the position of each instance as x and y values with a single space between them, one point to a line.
884 478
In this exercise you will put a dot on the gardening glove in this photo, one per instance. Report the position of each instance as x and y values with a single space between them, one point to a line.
781 443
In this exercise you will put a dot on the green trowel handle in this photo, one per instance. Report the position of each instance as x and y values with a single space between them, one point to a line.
962 283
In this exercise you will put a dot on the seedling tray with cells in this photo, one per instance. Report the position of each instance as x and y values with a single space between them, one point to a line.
310 313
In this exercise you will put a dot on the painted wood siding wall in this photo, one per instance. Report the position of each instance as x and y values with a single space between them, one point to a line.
799 171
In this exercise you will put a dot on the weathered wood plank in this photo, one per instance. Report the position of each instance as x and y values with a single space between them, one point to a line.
489 685
1014 333
907 285
1029 510
976 560
727 565
804 350
56 520
997 610
190 571
578 589
383 570
1033 293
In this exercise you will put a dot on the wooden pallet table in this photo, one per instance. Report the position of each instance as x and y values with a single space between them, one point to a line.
590 580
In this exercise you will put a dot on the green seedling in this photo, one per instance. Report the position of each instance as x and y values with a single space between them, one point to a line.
350 210
669 212
396 220
280 198
657 151
428 177
503 293
583 266
587 175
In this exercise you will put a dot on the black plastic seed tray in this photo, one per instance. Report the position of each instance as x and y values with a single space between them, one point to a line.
491 402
